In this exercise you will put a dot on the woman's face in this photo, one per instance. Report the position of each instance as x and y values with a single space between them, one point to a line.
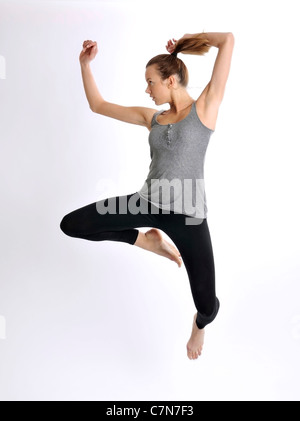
156 87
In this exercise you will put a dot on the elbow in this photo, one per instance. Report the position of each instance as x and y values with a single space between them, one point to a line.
97 107
226 39
230 37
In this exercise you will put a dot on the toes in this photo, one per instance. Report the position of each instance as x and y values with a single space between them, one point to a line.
192 355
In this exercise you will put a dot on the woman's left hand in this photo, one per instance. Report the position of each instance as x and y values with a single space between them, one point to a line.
171 45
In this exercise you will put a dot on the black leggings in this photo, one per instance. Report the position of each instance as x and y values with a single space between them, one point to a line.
192 240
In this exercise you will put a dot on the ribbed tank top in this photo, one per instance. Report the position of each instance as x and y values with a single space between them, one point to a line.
176 173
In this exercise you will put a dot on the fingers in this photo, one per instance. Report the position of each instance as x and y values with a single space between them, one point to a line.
171 44
172 41
88 44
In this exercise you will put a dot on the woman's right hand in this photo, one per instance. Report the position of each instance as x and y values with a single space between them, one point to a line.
171 44
89 52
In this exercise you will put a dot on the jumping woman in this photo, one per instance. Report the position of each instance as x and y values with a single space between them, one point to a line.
172 198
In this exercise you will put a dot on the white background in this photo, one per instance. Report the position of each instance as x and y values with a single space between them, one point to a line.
107 321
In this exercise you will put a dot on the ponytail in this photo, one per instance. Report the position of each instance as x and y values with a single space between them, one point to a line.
170 64
193 45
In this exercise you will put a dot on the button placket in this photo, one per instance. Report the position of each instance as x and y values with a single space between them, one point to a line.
169 134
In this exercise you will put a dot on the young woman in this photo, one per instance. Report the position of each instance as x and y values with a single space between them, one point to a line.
172 198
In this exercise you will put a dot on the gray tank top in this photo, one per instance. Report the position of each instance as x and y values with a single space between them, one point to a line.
175 181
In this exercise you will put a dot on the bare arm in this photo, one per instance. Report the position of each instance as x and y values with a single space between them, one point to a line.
211 97
224 41
134 115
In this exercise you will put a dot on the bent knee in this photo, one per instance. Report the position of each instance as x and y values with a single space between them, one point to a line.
66 226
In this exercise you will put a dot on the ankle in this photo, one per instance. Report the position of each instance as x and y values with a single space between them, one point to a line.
141 240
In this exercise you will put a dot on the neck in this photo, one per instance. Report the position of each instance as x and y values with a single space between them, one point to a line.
180 101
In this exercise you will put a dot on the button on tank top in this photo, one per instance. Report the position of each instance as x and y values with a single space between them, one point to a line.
175 181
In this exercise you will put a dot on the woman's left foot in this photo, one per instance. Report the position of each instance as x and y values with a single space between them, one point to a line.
153 241
196 341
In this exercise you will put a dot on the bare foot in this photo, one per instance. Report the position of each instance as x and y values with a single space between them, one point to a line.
196 341
153 241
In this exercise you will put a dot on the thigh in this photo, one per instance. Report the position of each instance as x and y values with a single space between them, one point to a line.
192 238
110 214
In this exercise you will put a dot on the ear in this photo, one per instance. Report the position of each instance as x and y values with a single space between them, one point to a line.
172 81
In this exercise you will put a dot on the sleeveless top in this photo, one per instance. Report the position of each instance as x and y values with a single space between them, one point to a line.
175 181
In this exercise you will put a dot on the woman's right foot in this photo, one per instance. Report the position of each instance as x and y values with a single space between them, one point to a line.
153 241
196 341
